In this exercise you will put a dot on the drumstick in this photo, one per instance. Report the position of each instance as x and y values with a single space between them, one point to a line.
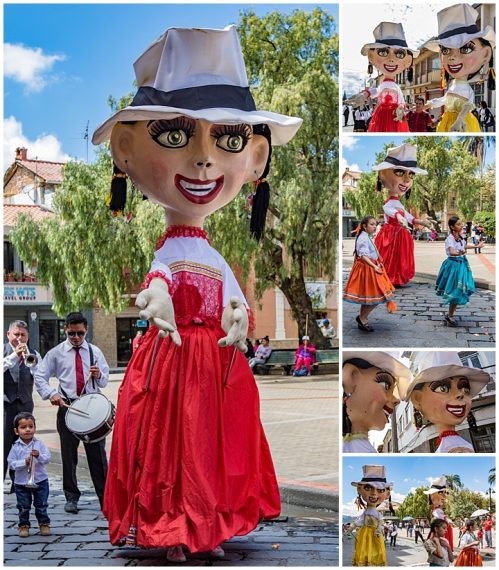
76 410
230 366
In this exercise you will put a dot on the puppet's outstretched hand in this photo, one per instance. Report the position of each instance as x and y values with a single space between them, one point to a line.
459 125
400 113
157 307
235 324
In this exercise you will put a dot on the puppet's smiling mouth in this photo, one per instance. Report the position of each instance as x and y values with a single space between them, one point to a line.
403 188
373 500
390 68
199 191
455 68
457 411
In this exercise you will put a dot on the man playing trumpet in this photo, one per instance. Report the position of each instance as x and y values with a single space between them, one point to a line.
19 366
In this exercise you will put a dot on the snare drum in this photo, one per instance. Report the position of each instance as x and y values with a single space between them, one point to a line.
91 417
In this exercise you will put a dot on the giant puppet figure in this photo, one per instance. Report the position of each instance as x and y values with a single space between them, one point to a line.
190 466
437 497
390 55
373 489
441 394
464 50
394 241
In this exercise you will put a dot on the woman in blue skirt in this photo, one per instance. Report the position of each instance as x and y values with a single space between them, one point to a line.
455 281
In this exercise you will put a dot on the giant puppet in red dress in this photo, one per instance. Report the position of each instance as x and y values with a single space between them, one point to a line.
190 465
394 240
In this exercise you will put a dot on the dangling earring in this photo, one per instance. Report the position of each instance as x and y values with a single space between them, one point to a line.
369 69
346 395
418 419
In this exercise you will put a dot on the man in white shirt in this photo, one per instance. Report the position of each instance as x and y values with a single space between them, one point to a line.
79 368
17 382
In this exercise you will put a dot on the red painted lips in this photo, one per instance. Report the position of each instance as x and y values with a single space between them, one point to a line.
199 191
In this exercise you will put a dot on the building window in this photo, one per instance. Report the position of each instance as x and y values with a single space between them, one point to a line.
126 329
435 62
478 89
8 257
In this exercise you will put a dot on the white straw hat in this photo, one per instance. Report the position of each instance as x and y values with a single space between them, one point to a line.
199 73
388 362
430 366
374 475
437 485
403 157
388 34
306 337
457 26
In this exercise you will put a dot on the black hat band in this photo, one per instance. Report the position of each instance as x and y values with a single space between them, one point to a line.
197 98
397 162
371 479
473 29
393 42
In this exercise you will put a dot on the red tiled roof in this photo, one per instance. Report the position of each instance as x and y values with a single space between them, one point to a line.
50 171
11 211
352 174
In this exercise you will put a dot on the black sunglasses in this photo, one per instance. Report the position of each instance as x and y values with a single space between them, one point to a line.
75 333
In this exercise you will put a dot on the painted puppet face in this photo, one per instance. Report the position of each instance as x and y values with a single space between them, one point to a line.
438 500
371 495
397 181
445 403
390 61
372 399
190 167
466 60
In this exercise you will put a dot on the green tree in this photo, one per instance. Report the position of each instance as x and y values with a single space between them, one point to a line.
83 254
454 481
492 477
416 505
292 63
464 502
364 200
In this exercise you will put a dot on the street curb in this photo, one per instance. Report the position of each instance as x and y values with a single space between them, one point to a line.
479 283
292 494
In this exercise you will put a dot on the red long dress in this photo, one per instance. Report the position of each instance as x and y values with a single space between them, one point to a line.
389 98
395 245
189 463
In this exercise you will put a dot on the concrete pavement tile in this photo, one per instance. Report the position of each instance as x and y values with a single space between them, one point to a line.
283 539
20 556
33 538
93 537
32 563
72 553
97 562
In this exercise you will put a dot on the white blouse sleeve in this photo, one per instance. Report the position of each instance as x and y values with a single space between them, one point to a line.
393 207
231 286
362 246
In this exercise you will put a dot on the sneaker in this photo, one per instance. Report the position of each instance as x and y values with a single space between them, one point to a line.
24 531
217 552
71 507
176 554
45 529
450 322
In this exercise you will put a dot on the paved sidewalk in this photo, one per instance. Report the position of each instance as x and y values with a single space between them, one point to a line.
82 540
419 321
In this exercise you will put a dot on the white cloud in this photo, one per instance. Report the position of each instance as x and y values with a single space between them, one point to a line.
29 66
351 509
349 141
398 497
45 147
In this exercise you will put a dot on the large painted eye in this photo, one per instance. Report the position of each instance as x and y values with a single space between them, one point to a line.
173 139
441 389
383 52
231 143
467 48
400 53
444 50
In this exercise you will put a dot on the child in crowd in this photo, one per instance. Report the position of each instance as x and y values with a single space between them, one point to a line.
437 546
454 280
29 453
368 284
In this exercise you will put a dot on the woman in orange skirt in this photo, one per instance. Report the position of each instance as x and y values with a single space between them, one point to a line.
470 554
368 284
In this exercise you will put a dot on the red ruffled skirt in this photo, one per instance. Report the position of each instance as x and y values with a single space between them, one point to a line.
396 248
189 462
367 287
383 119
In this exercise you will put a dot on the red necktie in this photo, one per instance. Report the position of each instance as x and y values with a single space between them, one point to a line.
80 379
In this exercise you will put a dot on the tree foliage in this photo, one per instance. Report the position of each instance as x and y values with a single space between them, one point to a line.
464 502
452 170
415 505
82 253
292 63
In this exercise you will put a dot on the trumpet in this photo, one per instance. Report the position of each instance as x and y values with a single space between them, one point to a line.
31 470
30 360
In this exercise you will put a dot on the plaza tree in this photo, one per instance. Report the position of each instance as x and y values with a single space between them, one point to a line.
415 505
292 63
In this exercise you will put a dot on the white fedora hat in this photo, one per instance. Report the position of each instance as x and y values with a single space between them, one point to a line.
403 157
388 34
430 366
199 73
374 475
437 485
388 362
457 26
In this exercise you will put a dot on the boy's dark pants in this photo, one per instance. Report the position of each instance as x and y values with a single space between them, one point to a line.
39 497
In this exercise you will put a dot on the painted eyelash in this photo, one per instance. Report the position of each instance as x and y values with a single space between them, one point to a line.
160 126
242 130
382 377
438 383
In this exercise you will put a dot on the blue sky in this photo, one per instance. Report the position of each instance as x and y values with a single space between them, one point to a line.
359 152
409 472
62 61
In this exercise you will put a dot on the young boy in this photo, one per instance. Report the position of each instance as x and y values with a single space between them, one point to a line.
29 450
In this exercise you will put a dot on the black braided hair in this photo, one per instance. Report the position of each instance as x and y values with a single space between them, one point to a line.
261 199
